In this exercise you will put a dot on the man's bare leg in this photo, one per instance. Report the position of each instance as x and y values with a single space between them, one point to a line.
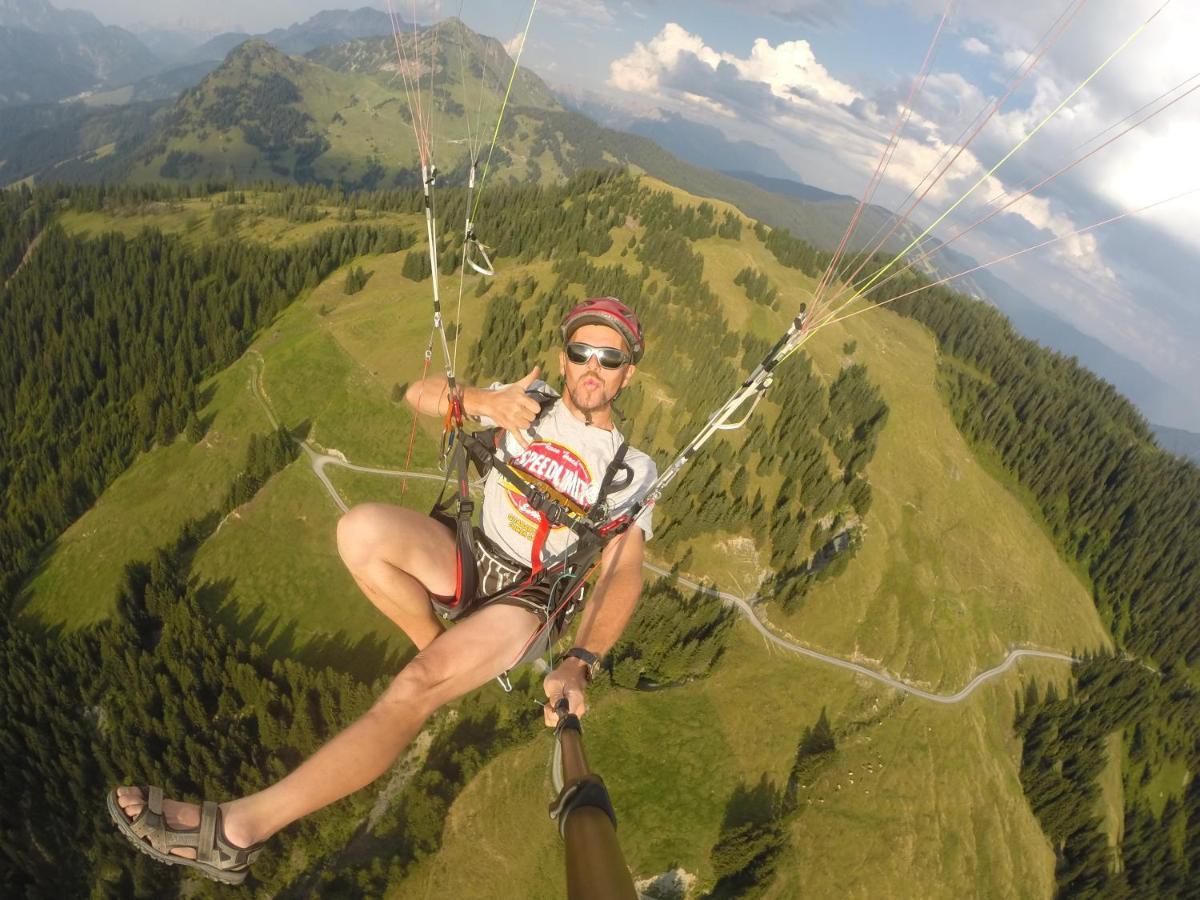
455 663
398 556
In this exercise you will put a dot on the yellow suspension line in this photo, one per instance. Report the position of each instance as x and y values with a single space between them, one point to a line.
503 105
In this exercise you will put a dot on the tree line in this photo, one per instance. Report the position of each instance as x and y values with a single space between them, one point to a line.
754 832
1064 741
757 286
128 327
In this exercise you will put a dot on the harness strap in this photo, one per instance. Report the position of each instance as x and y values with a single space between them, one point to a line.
466 574
480 448
557 513
539 544
606 484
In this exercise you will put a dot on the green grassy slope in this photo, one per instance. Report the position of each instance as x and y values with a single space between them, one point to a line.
169 485
953 570
935 808
164 488
344 116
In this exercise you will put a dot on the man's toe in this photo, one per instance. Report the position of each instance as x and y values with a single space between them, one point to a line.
130 800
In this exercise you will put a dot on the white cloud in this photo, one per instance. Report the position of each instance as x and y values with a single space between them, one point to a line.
1015 58
513 45
1146 166
640 71
976 47
1149 164
632 10
789 71
786 88
789 68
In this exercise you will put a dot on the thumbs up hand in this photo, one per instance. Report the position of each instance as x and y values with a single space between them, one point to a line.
510 407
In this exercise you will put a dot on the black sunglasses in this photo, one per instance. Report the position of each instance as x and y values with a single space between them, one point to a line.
608 357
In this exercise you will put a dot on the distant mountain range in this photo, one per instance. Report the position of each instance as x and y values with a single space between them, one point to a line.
1179 442
339 115
336 26
47 54
41 17
693 142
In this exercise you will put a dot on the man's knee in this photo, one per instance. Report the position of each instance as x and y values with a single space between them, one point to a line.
421 683
359 532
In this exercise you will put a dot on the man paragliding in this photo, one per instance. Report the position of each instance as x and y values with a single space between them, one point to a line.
557 468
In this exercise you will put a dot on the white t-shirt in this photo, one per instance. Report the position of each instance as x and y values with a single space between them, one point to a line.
570 457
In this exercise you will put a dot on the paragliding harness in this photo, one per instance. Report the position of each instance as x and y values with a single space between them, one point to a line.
555 589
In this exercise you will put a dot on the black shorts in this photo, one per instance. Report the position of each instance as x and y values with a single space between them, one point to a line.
502 580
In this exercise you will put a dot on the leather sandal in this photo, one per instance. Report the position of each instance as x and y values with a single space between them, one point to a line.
216 857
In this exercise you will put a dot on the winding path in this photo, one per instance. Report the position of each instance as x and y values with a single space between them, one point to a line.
319 460
744 605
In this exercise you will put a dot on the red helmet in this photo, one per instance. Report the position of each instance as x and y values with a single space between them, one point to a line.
611 312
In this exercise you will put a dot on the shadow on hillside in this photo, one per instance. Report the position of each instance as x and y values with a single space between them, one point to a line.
366 658
752 805
22 593
753 833
301 431
204 398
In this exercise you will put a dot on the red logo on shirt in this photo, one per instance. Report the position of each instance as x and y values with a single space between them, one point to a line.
551 465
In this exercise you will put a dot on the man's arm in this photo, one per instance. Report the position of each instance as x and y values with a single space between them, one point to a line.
509 407
615 597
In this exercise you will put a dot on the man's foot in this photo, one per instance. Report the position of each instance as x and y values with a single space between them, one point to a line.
170 830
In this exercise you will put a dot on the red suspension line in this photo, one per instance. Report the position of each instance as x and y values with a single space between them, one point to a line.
849 293
1047 41
884 160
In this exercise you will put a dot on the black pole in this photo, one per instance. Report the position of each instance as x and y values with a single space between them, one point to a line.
596 867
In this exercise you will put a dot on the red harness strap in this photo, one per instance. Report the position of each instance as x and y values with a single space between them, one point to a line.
539 542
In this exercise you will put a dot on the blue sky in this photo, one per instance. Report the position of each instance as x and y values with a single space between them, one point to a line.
821 82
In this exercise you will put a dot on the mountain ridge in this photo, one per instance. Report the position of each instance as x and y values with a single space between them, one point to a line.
48 54
363 153
1178 441
331 26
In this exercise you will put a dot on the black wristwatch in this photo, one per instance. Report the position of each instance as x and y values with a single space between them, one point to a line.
590 660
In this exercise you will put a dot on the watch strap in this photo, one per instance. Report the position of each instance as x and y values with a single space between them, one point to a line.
589 659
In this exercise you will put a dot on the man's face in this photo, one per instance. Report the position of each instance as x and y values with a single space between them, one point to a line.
591 386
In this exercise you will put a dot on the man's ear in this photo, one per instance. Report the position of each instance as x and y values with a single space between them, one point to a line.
562 362
628 376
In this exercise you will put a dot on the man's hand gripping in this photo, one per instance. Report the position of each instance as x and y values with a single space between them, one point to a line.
568 682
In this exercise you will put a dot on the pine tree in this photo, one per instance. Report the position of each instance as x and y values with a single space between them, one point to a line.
195 429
